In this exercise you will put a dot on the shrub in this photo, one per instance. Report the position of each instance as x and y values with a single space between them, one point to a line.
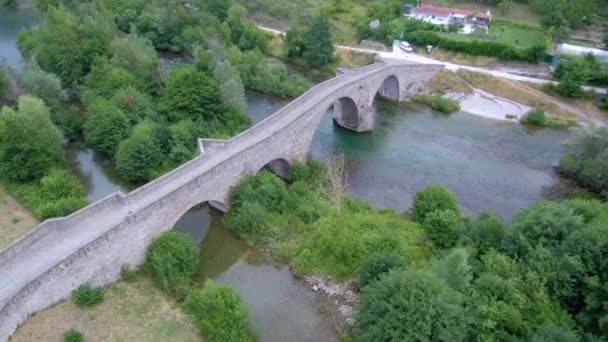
326 250
438 102
432 198
411 306
535 117
218 313
86 295
377 265
173 259
444 227
73 335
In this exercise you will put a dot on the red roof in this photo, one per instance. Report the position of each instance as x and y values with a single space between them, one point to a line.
439 11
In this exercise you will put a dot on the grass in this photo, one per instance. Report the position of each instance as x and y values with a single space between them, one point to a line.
519 37
15 220
446 81
133 311
459 58
520 12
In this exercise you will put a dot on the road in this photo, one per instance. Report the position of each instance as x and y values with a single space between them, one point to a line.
397 53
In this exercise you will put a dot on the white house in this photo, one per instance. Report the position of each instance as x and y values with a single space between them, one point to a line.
440 15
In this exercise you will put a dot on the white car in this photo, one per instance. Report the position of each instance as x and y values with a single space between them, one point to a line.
405 46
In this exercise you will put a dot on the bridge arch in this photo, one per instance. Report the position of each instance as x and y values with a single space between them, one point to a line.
346 113
279 167
190 214
390 88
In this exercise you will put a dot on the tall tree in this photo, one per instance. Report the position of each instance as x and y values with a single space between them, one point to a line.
30 144
318 42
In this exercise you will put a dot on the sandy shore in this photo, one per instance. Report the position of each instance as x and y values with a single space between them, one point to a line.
490 106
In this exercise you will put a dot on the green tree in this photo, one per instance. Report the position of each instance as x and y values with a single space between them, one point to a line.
378 265
135 104
546 223
30 144
443 227
294 42
189 94
411 305
67 43
230 318
232 90
433 198
105 80
173 258
138 55
139 157
454 268
318 43
106 126
485 231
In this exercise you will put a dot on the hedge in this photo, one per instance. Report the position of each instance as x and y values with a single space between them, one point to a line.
485 48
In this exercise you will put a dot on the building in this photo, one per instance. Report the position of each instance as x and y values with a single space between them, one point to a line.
467 20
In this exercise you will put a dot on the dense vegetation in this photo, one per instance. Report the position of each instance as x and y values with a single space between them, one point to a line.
172 259
586 159
218 313
574 72
32 161
103 53
439 102
440 276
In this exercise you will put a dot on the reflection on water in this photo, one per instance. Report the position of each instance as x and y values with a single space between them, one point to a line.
282 308
97 171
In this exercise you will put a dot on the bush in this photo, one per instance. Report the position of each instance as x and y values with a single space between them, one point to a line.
73 335
439 102
86 296
377 265
139 157
485 231
218 313
326 250
411 306
443 227
433 198
535 117
173 259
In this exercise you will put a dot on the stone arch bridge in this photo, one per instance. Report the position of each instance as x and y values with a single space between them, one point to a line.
91 245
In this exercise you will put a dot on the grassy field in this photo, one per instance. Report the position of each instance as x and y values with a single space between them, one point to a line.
14 219
131 311
515 36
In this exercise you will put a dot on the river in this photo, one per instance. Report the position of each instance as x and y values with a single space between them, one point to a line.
488 164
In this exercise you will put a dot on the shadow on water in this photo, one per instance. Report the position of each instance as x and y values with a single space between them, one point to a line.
282 308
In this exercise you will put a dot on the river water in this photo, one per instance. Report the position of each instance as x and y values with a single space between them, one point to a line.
488 164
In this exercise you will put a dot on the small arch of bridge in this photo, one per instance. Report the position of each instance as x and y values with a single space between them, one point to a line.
279 167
